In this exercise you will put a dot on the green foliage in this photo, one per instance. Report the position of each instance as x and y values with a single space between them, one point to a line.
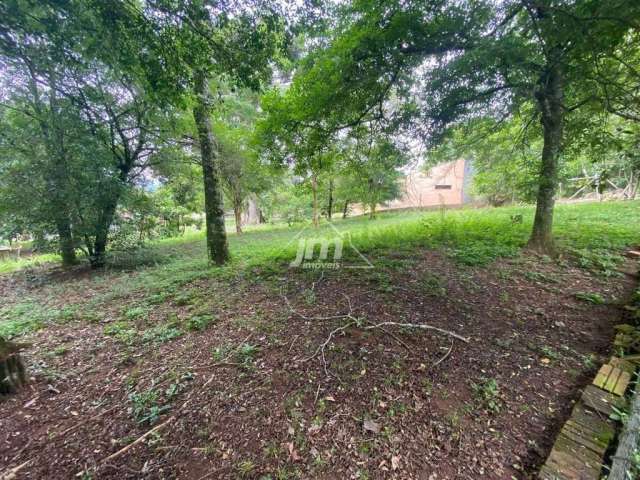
145 406
487 393
590 297
199 322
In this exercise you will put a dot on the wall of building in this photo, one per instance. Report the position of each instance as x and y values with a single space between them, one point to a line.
445 184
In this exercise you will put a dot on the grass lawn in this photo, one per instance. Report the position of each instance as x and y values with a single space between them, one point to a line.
260 370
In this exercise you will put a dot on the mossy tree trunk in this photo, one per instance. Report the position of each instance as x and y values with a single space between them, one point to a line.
217 246
549 98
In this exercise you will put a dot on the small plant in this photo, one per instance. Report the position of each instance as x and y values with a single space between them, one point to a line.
309 296
246 353
199 322
136 313
61 350
433 285
619 415
594 298
540 277
486 391
121 331
549 352
245 468
162 333
221 353
145 406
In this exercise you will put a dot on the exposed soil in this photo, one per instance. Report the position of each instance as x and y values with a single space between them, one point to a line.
389 402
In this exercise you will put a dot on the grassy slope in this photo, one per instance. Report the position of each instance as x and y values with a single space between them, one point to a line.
591 233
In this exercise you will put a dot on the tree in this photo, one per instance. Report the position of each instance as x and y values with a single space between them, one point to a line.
242 173
428 66
96 127
371 172
186 45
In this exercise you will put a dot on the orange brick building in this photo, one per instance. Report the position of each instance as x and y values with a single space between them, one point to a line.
445 184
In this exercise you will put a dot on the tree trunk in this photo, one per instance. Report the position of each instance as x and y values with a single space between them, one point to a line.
98 258
345 209
50 125
65 239
314 190
330 208
12 371
252 214
372 211
237 212
217 247
549 98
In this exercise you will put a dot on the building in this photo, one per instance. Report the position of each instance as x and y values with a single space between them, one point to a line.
445 184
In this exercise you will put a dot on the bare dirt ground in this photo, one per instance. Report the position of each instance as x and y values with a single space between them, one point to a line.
250 395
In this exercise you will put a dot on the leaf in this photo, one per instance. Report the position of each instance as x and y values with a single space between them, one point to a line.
293 454
371 426
395 462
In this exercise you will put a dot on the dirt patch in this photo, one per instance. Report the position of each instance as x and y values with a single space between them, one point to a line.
396 403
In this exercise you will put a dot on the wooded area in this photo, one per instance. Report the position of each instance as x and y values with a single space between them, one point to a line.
169 170
124 120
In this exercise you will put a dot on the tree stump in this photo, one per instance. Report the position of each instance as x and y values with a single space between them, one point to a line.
12 371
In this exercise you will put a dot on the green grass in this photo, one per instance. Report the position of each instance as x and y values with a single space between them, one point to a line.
591 235
13 264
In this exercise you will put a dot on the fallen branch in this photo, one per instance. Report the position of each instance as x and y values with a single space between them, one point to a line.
141 439
422 326
444 357
157 428
355 321
320 349
11 474
79 424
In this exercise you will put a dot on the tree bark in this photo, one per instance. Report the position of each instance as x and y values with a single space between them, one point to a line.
330 208
372 211
549 98
345 209
12 371
98 257
217 246
65 239
237 212
314 190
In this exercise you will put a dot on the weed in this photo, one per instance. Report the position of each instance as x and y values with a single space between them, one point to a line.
136 313
145 406
199 322
162 333
433 285
245 468
540 277
61 350
549 352
594 298
246 353
487 394
121 331
220 354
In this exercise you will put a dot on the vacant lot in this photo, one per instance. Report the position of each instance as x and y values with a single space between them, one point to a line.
259 370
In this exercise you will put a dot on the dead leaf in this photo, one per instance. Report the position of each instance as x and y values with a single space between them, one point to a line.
329 398
293 454
395 462
545 361
371 426
313 429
